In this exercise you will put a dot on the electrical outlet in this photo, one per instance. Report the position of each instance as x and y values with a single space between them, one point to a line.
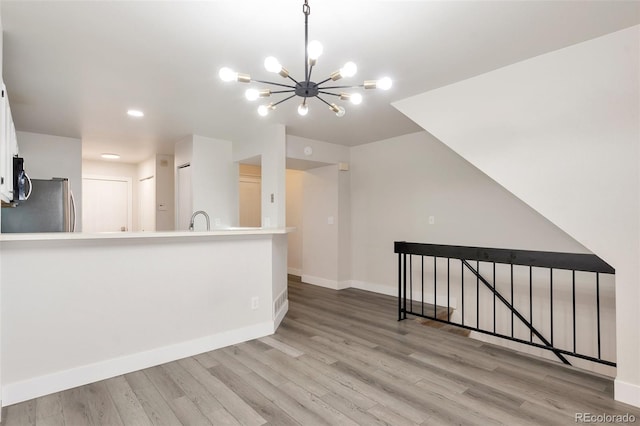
432 220
255 303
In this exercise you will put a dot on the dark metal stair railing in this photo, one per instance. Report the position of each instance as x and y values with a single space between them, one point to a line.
551 260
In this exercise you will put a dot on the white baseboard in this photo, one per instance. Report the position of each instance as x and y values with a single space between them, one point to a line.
628 393
323 282
280 315
294 271
393 291
13 393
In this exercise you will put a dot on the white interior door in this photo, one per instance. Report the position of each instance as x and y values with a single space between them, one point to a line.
147 194
106 204
250 193
185 202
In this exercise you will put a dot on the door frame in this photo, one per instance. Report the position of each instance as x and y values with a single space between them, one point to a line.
129 181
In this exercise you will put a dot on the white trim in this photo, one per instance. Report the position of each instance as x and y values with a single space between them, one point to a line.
393 291
294 271
13 393
629 393
323 282
280 315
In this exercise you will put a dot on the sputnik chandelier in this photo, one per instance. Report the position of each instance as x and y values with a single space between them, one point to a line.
306 88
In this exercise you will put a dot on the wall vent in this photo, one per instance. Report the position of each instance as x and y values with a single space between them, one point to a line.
279 302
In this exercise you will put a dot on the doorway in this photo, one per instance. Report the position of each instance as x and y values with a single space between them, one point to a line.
106 204
250 195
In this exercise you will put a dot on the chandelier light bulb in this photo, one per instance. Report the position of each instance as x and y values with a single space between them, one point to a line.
341 112
348 70
252 94
356 98
314 49
271 64
384 83
263 110
227 74
303 109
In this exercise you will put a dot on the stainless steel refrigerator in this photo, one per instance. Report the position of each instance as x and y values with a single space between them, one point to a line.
49 208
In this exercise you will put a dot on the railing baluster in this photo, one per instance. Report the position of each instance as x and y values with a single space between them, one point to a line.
404 285
551 300
422 290
573 294
512 303
478 295
494 297
531 302
598 310
462 272
411 283
399 286
435 293
448 301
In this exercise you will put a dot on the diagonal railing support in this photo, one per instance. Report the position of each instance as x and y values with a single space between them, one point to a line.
514 311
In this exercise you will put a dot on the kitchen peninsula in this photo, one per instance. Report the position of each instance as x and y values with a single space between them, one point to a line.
80 307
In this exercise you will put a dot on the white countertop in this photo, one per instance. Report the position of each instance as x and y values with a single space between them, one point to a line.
65 236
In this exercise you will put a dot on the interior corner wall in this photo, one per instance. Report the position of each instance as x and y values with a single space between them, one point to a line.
115 169
47 156
398 183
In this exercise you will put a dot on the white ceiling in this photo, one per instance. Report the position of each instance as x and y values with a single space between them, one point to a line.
74 68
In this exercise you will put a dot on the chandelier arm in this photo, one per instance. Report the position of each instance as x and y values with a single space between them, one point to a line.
328 104
310 70
285 99
293 79
328 93
324 81
275 84
359 86
283 91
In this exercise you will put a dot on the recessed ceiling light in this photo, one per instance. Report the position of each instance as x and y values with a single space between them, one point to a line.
135 113
110 156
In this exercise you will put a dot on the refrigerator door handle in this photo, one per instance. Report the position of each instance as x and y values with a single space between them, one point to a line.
73 210
26 197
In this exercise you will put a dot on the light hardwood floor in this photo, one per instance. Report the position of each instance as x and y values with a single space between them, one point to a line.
339 358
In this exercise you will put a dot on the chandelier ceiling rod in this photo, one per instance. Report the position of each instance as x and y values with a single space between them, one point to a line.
307 88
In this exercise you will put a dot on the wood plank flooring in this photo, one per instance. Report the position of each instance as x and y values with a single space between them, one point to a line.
339 358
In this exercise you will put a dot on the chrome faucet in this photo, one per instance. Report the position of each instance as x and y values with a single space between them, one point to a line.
193 217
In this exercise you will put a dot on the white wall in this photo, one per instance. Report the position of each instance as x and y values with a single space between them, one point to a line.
116 169
396 184
47 156
561 131
322 152
294 220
